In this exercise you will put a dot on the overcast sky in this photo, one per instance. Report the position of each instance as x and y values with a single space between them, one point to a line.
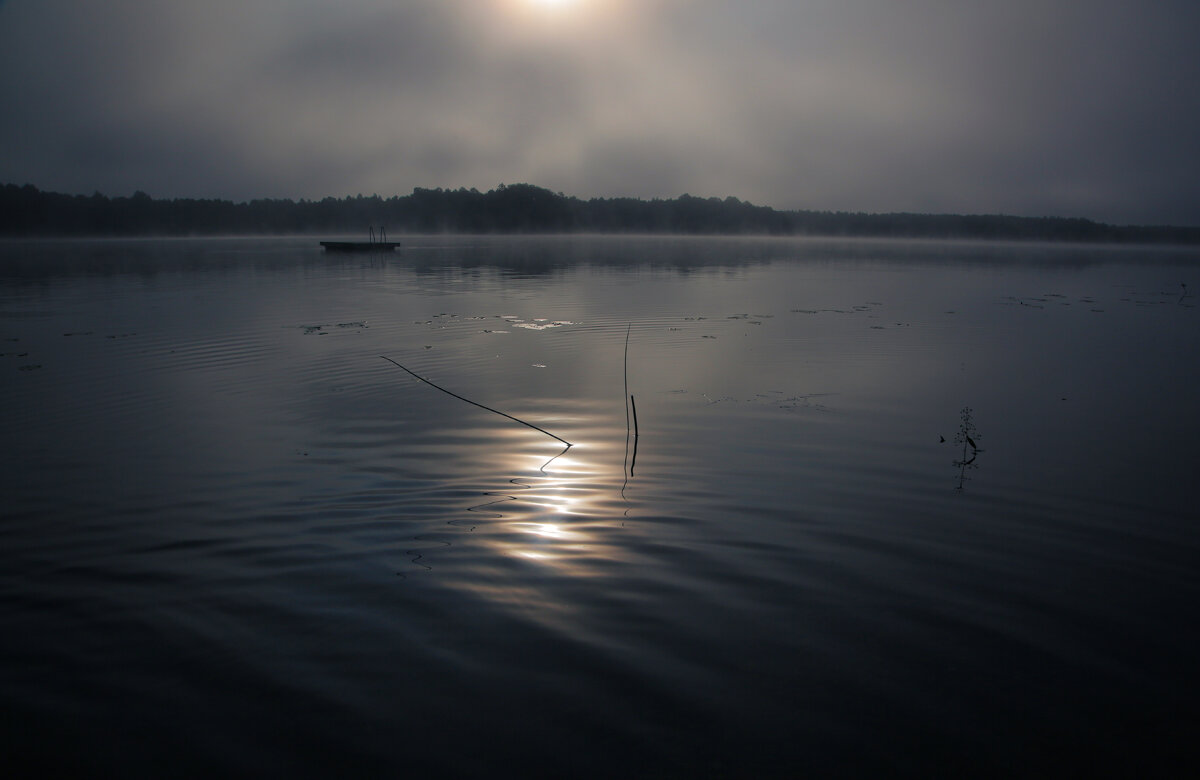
1030 107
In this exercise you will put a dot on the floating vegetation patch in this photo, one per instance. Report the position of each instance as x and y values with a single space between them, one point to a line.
541 324
857 308
1141 299
324 330
796 402
777 398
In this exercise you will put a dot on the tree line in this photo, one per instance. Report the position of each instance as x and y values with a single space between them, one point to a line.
518 208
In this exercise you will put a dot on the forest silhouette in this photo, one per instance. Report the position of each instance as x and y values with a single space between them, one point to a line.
26 211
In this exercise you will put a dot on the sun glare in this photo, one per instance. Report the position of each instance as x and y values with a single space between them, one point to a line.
553 4
564 20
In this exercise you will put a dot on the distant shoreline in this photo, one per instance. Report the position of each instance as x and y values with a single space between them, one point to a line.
27 212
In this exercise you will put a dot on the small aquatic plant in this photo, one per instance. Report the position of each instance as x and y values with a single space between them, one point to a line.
966 436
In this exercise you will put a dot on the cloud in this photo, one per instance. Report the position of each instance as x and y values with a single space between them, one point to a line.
1024 107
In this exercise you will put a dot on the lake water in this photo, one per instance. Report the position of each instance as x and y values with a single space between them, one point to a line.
237 541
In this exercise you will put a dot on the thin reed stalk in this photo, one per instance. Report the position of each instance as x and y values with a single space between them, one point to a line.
627 329
474 403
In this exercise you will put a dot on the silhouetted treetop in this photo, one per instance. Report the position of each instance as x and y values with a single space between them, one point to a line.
519 208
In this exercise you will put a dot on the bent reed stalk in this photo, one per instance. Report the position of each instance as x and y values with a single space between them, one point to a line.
474 403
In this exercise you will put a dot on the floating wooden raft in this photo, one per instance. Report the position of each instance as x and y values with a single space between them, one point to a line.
360 246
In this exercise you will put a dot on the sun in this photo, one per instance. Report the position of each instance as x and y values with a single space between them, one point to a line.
558 21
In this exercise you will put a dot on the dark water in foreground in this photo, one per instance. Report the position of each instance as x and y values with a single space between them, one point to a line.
236 541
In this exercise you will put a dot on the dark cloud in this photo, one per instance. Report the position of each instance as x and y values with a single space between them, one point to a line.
1047 107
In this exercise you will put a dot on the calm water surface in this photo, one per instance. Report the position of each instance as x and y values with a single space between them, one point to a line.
237 541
